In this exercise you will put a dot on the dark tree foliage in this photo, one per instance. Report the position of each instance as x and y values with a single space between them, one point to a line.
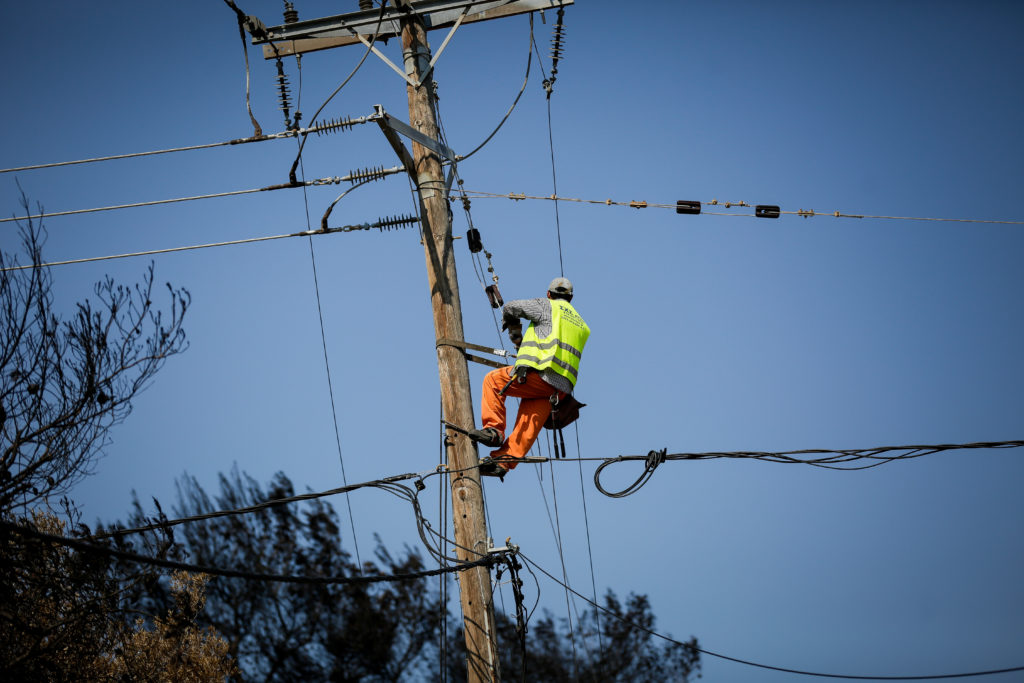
289 632
65 384
64 616
56 608
622 653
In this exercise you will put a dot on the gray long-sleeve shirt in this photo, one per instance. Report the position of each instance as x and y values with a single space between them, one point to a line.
538 311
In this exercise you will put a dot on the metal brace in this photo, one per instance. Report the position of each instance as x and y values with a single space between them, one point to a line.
390 125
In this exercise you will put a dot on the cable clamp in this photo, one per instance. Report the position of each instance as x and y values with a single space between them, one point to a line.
638 205
509 547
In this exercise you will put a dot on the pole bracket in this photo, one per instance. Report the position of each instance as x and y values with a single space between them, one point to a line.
392 127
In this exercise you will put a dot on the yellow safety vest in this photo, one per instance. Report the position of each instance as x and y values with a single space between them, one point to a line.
562 349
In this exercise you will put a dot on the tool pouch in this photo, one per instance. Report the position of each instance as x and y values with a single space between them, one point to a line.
563 412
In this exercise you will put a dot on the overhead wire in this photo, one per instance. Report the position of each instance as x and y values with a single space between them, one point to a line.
84 546
703 651
586 524
522 89
320 314
269 188
369 49
551 147
803 213
381 224
258 507
833 459
242 21
328 127
569 605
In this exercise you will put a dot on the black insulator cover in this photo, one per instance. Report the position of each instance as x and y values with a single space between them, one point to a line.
683 206
766 211
473 237
494 296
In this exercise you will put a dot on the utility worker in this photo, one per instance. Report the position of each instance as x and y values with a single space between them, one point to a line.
547 364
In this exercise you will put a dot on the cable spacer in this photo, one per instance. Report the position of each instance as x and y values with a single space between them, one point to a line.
687 207
766 211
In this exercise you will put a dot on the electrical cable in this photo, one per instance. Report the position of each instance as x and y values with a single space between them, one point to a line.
84 546
167 523
693 647
381 224
323 334
328 127
285 186
242 20
526 79
551 147
804 213
565 573
373 39
834 459
586 522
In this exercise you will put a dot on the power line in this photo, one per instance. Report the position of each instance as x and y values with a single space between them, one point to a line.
834 459
548 83
327 127
83 546
323 334
761 211
335 180
381 224
373 39
167 523
691 646
526 79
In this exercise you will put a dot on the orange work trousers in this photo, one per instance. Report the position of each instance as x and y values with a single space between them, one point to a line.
534 408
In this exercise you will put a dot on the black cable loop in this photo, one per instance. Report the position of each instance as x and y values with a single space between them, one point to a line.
651 462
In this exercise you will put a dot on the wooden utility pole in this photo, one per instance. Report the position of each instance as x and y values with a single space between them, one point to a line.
456 397
299 37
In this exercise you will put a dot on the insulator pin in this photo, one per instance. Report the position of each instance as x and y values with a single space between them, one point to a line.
390 222
332 125
291 15
283 93
366 174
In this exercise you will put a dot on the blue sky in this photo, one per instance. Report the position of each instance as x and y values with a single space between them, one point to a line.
709 333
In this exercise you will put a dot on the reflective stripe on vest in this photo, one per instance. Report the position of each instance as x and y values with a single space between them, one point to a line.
562 349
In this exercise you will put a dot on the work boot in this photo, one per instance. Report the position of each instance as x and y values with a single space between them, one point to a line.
488 436
489 467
